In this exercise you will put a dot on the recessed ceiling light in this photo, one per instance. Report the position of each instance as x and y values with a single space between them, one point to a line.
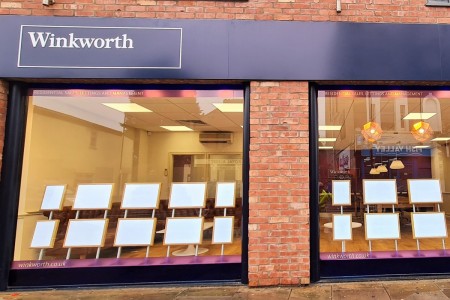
177 128
325 147
421 147
127 107
327 139
229 107
330 127
418 116
441 139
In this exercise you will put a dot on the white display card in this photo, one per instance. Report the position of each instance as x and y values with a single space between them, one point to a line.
424 191
225 194
342 227
53 197
183 231
341 192
85 233
44 234
93 196
380 191
135 232
429 225
382 226
141 196
187 195
223 230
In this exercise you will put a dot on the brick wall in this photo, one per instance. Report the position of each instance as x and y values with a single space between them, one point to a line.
387 11
3 97
279 184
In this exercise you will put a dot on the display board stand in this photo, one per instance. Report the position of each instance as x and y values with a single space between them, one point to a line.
190 249
225 198
187 195
341 196
140 196
380 191
51 201
427 191
97 255
92 197
147 252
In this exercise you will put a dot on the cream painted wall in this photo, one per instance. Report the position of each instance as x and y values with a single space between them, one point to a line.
162 145
62 150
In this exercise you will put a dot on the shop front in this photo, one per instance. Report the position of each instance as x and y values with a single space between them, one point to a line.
266 153
382 182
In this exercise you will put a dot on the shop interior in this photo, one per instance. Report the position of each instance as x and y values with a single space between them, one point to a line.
117 137
377 135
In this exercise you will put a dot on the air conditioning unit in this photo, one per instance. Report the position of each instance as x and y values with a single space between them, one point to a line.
216 137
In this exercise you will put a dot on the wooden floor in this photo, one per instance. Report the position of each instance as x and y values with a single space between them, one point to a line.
360 244
159 250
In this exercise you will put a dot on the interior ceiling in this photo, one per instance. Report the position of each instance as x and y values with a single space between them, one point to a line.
353 113
197 113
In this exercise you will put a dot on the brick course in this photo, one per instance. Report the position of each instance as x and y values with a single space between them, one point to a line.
279 184
378 11
3 99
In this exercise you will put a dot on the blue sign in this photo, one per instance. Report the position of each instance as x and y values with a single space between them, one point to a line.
99 47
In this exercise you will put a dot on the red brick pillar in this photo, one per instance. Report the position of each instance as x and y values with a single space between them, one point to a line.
3 99
279 184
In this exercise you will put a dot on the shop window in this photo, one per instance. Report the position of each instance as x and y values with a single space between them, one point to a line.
384 188
126 177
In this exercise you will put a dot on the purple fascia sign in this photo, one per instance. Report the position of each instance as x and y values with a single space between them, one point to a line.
99 47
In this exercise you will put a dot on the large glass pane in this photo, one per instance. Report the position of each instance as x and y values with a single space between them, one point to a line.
392 148
80 143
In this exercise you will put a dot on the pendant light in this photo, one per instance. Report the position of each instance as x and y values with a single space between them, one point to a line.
374 171
382 168
371 130
396 165
422 130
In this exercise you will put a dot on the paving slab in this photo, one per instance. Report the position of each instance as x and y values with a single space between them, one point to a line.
412 288
267 293
360 294
316 292
357 285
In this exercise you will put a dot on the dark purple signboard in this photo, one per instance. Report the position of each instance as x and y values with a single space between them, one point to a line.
128 48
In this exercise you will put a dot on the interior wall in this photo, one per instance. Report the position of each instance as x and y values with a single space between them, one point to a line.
162 145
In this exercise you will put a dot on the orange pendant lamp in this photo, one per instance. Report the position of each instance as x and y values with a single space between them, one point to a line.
422 131
371 132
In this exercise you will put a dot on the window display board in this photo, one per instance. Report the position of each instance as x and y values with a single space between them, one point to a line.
382 226
380 191
225 194
135 232
93 196
424 191
141 196
342 227
429 225
53 197
44 234
341 192
223 230
187 195
85 233
183 231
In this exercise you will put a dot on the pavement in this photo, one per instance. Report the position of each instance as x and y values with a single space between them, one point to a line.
374 290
